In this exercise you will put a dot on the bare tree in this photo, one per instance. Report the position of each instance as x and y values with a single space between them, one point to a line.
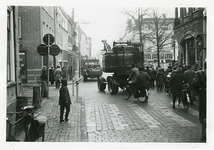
135 24
159 34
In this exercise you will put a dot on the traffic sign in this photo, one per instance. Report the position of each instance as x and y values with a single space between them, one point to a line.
42 49
54 50
45 39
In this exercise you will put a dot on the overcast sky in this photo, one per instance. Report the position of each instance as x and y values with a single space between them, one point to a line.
103 23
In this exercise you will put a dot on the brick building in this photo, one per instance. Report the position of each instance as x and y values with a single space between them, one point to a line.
35 22
190 35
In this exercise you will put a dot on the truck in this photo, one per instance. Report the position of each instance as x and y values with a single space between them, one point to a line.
90 68
118 61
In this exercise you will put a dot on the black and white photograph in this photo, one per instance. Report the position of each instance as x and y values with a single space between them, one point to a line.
106 75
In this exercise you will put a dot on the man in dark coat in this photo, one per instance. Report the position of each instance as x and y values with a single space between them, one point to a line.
189 74
176 82
200 85
51 75
141 81
134 72
152 75
64 100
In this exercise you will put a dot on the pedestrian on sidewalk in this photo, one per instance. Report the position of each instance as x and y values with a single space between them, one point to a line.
189 74
51 75
176 82
160 79
58 75
64 100
44 84
152 75
199 84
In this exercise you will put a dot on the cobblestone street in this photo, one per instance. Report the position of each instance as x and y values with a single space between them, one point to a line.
102 117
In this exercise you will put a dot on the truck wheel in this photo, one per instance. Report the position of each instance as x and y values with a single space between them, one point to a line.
101 86
112 86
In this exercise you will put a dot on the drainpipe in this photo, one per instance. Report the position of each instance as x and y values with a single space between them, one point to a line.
15 52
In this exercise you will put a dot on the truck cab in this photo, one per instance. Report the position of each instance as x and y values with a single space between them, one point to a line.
90 68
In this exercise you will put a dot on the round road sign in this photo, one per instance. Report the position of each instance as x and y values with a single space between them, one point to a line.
42 49
54 50
45 39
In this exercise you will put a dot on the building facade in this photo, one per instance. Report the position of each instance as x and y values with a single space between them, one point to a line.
13 33
167 50
190 35
37 21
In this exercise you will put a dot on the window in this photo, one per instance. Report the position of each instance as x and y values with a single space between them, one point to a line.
19 28
154 56
147 56
164 27
43 28
195 8
168 56
10 46
46 30
50 30
179 13
187 10
162 56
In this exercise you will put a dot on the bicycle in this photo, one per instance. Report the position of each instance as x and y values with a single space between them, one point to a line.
33 124
168 89
140 95
184 97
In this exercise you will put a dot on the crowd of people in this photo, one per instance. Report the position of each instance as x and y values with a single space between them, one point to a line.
174 77
55 75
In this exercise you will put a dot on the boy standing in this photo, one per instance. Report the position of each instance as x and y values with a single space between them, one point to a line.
64 100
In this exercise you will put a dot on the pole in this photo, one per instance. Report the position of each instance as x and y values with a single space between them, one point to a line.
77 92
48 66
72 87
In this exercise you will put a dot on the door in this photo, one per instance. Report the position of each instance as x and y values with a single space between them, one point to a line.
23 67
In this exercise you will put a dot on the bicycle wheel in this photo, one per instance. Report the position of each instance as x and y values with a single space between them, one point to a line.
188 101
184 100
143 97
126 92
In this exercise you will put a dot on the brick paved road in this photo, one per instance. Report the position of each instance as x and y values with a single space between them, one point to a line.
109 118
102 117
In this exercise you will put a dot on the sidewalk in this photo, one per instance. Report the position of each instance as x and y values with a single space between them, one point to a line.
72 131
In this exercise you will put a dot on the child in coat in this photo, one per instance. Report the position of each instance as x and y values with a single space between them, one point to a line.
64 100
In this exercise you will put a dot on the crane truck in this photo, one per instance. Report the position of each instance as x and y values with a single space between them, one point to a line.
118 61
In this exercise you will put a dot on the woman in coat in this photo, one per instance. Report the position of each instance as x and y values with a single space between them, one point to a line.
58 75
160 79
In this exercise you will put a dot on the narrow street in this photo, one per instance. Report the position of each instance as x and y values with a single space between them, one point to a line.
102 117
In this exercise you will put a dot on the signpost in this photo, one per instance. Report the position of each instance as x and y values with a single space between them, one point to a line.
46 49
